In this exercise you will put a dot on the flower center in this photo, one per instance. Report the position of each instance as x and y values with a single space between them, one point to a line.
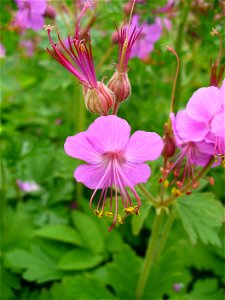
116 155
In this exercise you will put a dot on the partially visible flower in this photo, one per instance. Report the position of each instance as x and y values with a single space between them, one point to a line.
27 186
28 46
2 51
58 121
190 155
29 15
177 287
50 12
167 9
205 117
149 35
115 162
76 57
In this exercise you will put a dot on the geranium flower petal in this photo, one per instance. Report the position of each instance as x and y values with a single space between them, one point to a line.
79 147
143 146
204 104
108 133
189 129
136 173
91 175
218 125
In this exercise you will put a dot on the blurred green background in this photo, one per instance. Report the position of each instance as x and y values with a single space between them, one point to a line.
53 247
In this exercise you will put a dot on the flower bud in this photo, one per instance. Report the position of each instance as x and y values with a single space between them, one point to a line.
169 147
50 12
119 84
99 100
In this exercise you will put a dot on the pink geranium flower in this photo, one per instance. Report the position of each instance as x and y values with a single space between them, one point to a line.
114 161
191 153
27 186
29 15
205 117
2 51
150 34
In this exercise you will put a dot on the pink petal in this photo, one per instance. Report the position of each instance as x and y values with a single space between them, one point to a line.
218 124
204 104
108 134
143 146
198 157
135 173
222 94
174 127
204 147
189 129
38 7
91 176
78 146
35 22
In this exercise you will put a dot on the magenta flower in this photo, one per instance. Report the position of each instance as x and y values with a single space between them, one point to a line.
28 46
76 57
191 153
205 118
2 51
29 15
27 186
114 161
149 35
127 36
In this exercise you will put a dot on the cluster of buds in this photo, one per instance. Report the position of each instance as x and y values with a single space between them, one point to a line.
76 56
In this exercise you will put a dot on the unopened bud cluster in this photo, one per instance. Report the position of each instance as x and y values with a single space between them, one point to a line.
99 100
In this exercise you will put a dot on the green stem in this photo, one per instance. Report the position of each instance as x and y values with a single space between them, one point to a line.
147 194
165 232
149 257
178 48
79 121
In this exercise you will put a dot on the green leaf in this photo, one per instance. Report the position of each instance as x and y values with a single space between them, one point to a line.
79 259
90 234
81 287
37 265
202 215
138 221
9 281
61 233
123 272
207 289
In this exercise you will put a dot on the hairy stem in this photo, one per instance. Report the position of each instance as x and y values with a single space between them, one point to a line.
147 194
150 255
178 48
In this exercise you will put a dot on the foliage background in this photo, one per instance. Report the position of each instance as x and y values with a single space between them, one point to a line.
53 247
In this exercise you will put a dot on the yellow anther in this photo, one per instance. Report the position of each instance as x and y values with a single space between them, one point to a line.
108 214
48 27
166 183
176 192
129 210
120 220
136 210
82 48
99 213
223 163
